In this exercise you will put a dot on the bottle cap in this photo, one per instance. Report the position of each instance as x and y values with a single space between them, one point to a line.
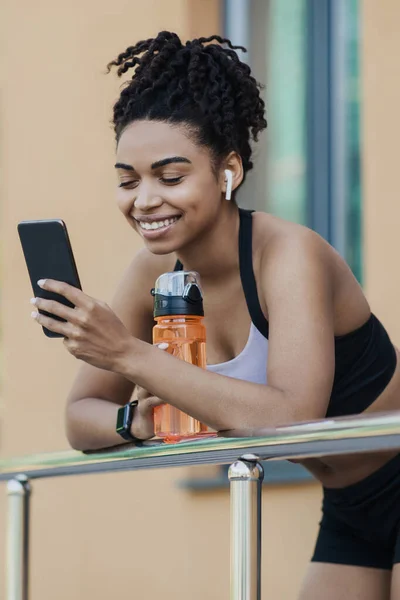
178 293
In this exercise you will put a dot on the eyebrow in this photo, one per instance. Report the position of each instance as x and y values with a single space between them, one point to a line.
124 166
170 160
156 165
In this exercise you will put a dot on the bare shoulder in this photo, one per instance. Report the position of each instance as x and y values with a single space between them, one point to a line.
293 259
278 240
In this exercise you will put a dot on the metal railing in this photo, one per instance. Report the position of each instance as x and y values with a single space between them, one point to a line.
328 437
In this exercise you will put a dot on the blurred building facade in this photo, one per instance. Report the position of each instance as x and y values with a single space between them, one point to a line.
331 100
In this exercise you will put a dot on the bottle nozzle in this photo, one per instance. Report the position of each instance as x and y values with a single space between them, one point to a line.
192 293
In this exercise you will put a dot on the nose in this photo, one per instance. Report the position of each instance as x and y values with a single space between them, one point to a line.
146 199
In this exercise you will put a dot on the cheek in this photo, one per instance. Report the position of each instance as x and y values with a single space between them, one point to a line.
197 194
124 201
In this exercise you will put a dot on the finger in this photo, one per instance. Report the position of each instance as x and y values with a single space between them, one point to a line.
55 308
71 293
162 345
52 324
168 348
141 393
150 402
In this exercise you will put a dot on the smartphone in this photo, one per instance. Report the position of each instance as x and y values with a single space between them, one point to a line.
48 255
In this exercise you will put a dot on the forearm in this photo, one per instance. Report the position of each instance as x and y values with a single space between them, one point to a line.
219 401
90 424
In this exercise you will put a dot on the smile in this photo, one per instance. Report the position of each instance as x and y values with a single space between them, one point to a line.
157 224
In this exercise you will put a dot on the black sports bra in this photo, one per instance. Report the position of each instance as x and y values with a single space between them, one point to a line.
365 359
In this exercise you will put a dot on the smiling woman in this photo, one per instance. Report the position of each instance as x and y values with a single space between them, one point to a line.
290 334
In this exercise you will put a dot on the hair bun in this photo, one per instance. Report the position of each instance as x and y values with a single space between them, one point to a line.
201 82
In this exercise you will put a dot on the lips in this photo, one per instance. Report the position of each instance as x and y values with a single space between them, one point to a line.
154 218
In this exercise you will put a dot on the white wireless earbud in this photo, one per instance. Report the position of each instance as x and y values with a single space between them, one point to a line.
229 177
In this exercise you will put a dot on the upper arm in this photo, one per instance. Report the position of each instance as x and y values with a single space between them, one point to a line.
297 285
132 303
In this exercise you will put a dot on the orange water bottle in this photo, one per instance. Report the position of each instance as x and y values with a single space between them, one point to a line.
178 312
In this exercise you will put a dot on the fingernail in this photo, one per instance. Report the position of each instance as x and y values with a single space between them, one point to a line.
34 314
41 282
162 346
32 300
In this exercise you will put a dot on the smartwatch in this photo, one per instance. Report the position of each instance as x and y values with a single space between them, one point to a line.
124 422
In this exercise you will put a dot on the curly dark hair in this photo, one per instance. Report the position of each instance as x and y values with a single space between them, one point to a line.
200 84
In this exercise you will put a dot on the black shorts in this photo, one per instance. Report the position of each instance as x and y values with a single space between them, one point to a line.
360 523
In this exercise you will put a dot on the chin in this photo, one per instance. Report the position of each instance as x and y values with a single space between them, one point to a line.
160 249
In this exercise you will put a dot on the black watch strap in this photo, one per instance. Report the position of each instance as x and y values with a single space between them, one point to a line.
124 422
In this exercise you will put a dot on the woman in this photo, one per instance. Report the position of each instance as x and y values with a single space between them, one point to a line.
304 343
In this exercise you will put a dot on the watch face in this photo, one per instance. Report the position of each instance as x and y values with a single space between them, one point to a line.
124 422
122 419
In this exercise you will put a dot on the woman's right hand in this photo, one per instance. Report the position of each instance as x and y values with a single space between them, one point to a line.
143 416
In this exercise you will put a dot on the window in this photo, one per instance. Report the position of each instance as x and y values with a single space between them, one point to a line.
307 164
352 139
278 182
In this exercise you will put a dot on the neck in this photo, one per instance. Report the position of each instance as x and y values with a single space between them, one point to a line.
216 254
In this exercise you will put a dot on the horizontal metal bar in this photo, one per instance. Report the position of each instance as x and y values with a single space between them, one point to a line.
327 437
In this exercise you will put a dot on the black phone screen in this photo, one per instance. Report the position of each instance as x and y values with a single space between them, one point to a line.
48 255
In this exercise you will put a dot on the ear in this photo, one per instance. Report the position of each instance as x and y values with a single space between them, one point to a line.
232 163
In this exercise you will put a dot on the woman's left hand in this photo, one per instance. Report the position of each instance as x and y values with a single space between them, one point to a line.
92 332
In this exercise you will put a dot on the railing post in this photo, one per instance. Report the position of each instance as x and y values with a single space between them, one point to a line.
246 476
18 492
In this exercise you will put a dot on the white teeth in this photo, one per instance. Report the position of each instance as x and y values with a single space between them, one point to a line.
157 224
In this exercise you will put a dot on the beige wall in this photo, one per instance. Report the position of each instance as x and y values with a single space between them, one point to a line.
380 151
56 161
